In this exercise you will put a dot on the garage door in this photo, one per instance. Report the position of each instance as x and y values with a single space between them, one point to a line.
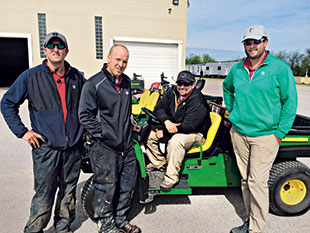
151 59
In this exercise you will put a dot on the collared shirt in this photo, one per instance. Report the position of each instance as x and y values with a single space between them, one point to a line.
61 87
248 65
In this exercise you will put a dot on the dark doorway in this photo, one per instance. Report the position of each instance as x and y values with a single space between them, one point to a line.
13 59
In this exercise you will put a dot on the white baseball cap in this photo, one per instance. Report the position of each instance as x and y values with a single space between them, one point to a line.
255 32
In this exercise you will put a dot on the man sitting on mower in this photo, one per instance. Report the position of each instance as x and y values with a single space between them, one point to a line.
185 118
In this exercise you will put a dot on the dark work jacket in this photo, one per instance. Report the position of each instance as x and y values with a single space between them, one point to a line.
37 85
105 113
192 112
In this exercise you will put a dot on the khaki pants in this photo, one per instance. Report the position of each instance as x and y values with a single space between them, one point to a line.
176 149
255 156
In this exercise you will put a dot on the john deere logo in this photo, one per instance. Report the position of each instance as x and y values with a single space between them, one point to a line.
183 75
55 34
251 29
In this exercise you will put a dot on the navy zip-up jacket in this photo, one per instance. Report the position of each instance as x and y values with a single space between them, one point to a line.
105 113
37 85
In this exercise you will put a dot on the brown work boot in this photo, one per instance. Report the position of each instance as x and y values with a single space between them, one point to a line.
129 228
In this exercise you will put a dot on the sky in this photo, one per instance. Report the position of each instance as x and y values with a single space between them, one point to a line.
220 24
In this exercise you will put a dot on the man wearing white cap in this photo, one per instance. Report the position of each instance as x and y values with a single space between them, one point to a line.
260 95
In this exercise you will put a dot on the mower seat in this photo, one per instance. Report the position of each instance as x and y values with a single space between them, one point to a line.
152 101
136 108
216 121
150 104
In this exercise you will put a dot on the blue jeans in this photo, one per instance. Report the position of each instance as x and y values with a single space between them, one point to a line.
115 176
54 169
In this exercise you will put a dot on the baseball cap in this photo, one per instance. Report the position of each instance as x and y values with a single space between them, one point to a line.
255 32
58 35
186 76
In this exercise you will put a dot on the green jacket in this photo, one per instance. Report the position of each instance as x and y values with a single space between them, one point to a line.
265 105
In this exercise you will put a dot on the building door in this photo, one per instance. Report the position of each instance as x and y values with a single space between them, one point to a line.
151 59
13 59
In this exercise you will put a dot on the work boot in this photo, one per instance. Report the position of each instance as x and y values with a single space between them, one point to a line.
241 229
129 228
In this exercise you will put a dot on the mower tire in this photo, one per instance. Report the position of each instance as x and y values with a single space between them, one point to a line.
289 188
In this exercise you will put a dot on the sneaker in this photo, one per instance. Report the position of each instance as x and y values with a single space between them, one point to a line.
129 228
241 229
166 186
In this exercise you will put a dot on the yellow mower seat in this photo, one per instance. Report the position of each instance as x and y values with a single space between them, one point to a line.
215 123
152 101
136 108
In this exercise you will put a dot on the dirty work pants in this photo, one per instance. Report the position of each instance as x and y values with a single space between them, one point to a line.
115 176
255 156
176 148
54 169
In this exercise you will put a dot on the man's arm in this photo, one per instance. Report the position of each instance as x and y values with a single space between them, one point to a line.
195 115
228 91
10 103
162 107
88 110
288 98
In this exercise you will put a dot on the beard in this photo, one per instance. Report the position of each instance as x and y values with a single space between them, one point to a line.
257 56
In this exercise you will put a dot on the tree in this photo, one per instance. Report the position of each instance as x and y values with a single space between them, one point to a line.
295 61
206 58
283 55
305 64
195 59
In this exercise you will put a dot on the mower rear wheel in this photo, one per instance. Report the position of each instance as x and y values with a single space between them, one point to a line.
88 198
289 188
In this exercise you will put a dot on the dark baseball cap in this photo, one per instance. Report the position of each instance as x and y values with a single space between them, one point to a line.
58 35
186 76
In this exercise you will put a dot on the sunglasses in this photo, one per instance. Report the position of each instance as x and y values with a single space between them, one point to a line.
59 46
251 41
179 83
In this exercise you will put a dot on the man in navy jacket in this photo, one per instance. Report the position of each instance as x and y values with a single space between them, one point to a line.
53 92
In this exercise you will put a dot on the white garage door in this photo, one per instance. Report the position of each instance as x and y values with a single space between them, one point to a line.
151 59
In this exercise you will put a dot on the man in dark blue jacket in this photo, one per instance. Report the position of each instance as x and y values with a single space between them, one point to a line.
53 92
185 117
105 112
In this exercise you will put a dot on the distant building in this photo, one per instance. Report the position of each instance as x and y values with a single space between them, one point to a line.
212 69
154 32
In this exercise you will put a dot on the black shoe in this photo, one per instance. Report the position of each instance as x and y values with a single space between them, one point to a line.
242 229
129 228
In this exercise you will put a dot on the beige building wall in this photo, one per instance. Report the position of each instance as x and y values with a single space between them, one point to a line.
144 19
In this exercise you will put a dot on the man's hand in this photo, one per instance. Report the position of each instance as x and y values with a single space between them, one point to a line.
171 127
32 138
136 127
159 133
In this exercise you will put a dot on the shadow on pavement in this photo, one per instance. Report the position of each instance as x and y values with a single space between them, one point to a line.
233 195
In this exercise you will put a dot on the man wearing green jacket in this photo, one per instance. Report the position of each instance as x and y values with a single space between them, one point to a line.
260 95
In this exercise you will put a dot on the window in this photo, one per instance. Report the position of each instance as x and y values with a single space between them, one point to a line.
98 31
207 68
42 32
219 68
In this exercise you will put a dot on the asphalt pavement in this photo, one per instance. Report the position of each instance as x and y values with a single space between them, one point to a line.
211 210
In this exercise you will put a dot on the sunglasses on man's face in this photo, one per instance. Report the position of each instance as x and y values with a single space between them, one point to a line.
251 41
59 46
179 83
